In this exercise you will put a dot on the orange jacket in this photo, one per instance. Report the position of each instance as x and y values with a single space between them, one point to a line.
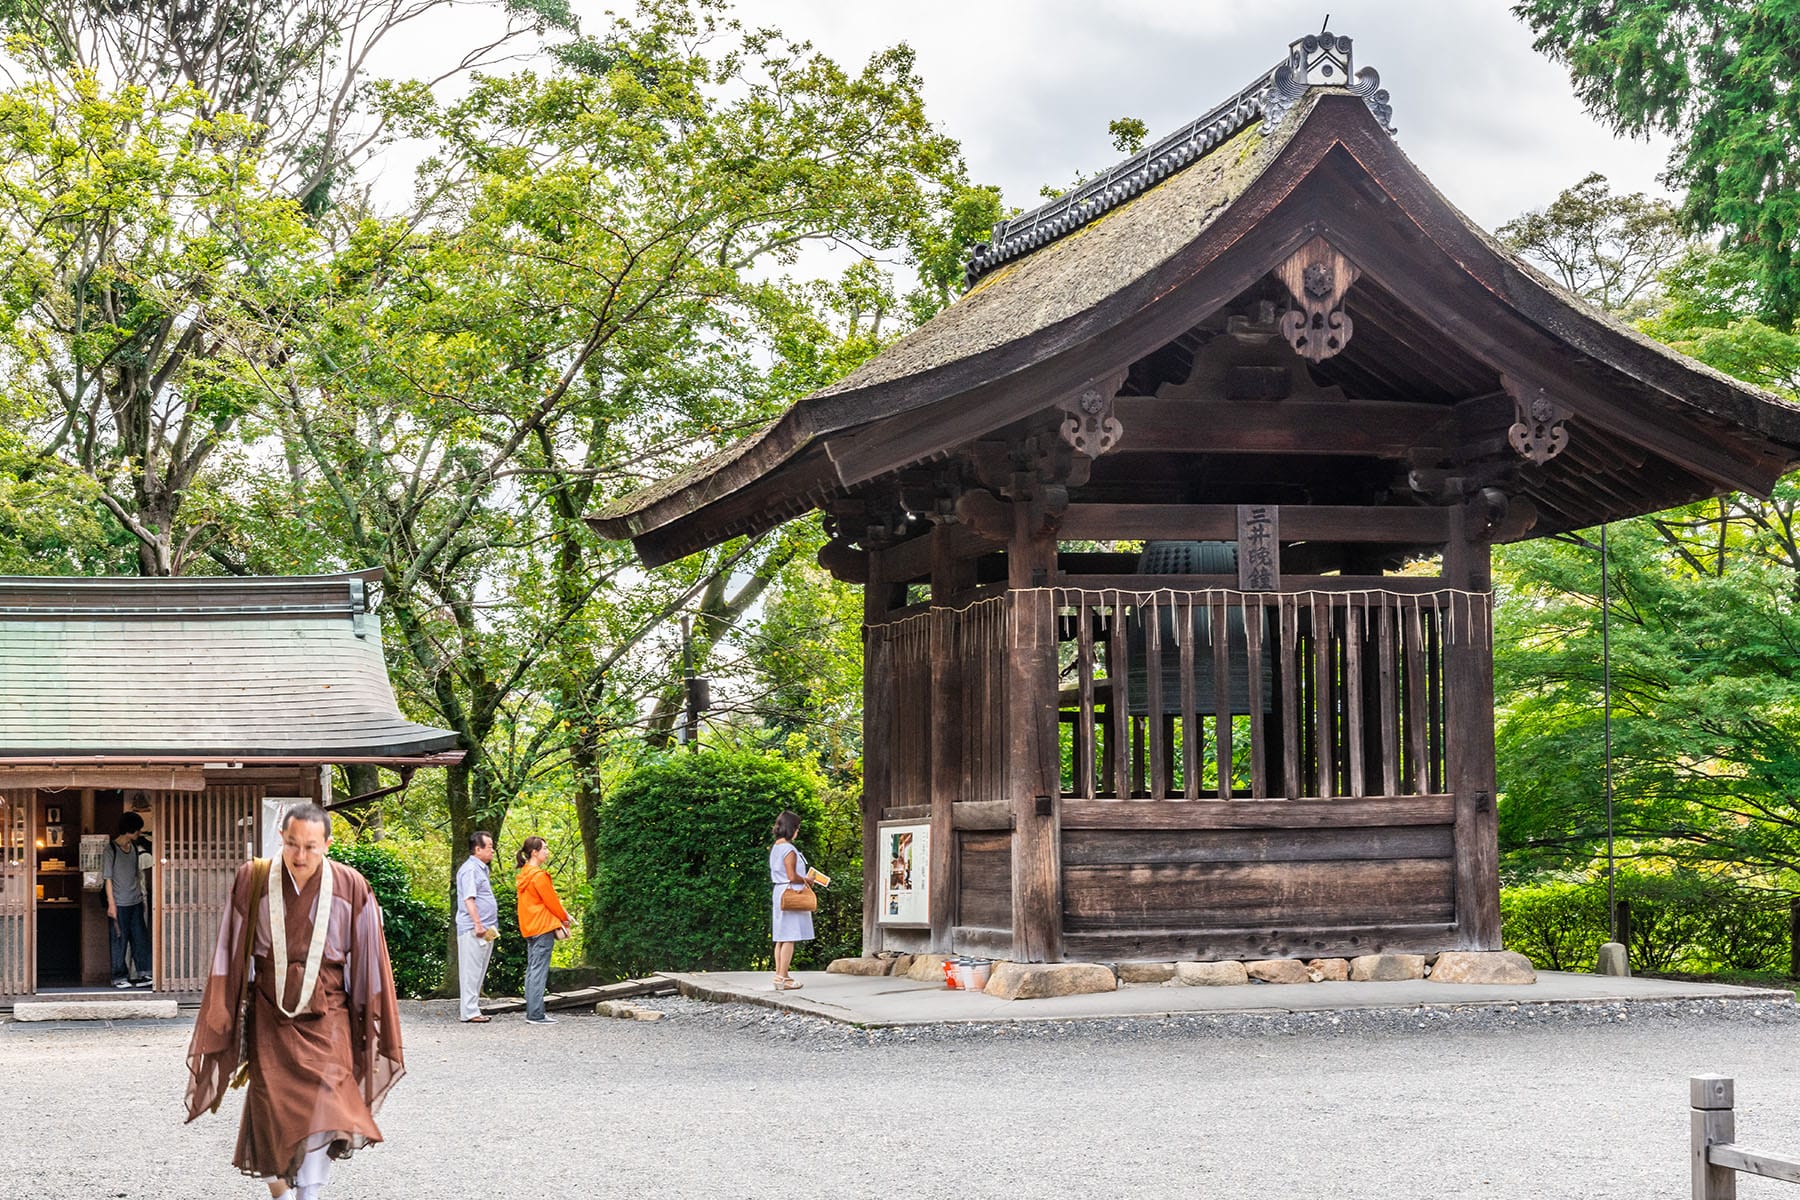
539 909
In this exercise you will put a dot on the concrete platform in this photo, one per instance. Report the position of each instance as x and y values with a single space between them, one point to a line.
118 1007
886 1002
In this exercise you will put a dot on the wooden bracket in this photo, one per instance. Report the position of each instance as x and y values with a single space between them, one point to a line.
1537 432
1317 277
1090 428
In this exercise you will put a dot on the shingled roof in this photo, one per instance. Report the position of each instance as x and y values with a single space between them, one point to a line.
1110 274
200 670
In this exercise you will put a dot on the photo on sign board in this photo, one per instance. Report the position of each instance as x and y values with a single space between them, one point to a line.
905 847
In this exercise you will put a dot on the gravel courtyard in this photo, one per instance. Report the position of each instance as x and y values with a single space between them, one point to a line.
733 1101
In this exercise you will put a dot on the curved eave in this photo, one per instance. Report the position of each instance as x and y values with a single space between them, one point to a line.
1519 316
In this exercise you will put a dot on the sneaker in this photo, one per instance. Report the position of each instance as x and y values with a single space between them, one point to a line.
140 983
543 1020
122 984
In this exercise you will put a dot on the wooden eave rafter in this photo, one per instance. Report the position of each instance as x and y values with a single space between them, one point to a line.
1444 278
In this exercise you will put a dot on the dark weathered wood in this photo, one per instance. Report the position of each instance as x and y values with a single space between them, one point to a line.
1102 586
1469 750
1794 939
1353 689
1389 701
878 733
1259 547
1402 526
908 812
1034 770
1084 726
951 573
1418 747
984 892
1281 941
1288 620
1268 814
1113 847
1324 779
1253 635
1379 429
1150 616
983 814
1221 646
1191 751
1118 675
1224 895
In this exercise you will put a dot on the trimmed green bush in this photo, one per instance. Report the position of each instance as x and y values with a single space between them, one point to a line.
1558 926
1680 921
684 844
417 929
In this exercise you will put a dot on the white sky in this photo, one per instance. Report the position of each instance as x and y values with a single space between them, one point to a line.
1028 86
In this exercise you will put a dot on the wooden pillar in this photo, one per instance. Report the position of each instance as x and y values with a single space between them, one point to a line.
1033 769
1711 1122
1469 727
878 733
949 576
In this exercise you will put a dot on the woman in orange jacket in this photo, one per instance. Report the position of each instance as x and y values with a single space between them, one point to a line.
542 919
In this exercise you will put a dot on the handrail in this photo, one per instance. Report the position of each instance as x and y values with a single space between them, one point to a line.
1716 1158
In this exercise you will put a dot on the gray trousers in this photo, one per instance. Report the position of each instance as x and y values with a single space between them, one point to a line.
472 954
537 972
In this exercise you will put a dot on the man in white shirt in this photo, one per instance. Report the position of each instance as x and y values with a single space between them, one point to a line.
477 923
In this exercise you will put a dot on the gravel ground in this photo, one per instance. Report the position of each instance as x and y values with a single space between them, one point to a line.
733 1101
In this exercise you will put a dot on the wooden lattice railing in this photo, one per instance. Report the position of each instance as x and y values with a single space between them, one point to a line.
1222 694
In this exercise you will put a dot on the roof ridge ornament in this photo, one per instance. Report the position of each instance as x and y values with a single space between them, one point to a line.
1316 60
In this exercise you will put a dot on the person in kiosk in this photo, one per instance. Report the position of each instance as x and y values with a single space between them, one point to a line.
307 1017
122 872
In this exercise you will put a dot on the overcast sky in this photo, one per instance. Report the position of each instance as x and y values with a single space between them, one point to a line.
1028 86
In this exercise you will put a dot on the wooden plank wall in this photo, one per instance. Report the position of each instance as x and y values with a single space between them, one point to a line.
17 950
201 841
1257 878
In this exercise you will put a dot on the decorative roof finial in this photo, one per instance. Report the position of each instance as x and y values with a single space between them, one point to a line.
1324 59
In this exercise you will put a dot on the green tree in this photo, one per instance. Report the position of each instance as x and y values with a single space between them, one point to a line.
1606 248
684 877
1722 77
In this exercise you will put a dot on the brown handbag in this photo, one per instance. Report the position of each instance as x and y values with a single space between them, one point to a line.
804 900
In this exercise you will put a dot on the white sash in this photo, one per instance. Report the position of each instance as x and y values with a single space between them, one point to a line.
315 952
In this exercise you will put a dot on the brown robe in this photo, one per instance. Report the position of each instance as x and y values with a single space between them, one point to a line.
317 1079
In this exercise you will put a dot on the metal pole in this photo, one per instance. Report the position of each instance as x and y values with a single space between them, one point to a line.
1612 907
689 724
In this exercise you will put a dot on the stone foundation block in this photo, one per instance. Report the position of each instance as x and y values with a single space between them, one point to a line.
1614 960
1278 970
1496 966
626 1012
1328 970
861 966
927 968
1040 981
1211 974
1146 972
123 1009
1386 968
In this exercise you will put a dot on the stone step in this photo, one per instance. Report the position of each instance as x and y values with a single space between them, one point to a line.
101 1008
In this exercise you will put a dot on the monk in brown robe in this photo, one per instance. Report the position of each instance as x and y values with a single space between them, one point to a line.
322 1043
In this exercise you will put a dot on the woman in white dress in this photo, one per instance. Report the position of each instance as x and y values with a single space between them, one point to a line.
787 870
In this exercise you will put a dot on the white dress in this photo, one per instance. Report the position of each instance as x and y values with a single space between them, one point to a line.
790 926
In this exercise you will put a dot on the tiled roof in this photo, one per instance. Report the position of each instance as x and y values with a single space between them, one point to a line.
1317 60
203 669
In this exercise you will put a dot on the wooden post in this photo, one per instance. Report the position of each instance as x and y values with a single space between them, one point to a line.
1469 732
949 575
878 732
1622 924
1711 1124
1033 772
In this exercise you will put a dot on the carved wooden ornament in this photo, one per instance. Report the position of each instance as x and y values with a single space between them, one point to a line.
1537 431
1317 277
1090 427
